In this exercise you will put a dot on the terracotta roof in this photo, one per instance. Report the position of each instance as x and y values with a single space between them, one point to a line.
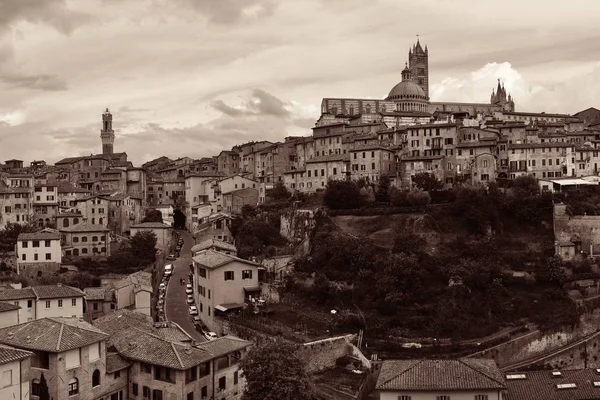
69 160
10 354
69 214
95 293
224 345
8 307
56 291
539 145
85 227
429 375
17 294
16 189
53 335
141 278
543 385
41 235
214 259
207 244
114 363
66 187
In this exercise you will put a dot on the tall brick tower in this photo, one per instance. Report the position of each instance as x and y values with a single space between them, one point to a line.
418 64
107 134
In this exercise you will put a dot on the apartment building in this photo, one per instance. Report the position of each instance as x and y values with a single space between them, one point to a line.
70 355
16 199
39 247
94 209
48 301
45 204
222 283
14 366
84 239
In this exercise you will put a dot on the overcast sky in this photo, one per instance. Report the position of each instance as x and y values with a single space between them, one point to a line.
193 77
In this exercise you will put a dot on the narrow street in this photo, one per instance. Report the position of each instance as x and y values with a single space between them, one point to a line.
176 308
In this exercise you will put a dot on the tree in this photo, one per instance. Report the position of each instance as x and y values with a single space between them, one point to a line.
418 198
153 216
341 195
279 192
383 189
44 393
10 233
427 181
398 197
366 195
273 371
143 246
178 219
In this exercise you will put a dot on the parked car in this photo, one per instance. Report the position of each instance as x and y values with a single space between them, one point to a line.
190 300
189 291
193 310
171 257
412 345
162 286
210 335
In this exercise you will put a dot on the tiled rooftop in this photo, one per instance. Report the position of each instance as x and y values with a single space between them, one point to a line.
114 362
10 354
51 334
41 235
85 227
95 294
536 385
41 292
8 307
214 259
207 244
151 225
428 375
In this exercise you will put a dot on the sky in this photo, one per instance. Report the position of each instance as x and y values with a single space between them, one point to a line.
194 77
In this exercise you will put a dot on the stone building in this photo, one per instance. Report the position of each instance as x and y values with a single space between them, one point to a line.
45 204
85 239
41 247
14 367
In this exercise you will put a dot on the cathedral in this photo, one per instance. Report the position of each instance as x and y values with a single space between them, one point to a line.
408 101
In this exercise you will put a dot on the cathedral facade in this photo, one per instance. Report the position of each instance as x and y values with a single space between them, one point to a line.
408 101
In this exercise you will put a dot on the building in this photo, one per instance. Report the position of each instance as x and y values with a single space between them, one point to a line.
107 134
166 365
45 204
222 282
215 226
41 247
14 369
124 211
69 194
70 354
16 199
234 201
590 116
99 301
9 314
582 384
84 239
48 301
214 244
163 232
94 209
465 378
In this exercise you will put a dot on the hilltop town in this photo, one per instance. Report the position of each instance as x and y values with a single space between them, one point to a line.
400 238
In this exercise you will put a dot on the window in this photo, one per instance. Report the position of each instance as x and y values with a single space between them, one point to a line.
134 389
204 392
24 244
46 243
190 396
235 378
47 303
73 358
222 383
29 303
229 275
48 256
442 397
23 257
404 398
96 378
146 392
36 243
202 272
35 257
157 394
247 274
74 302
7 378
117 374
59 302
481 397
94 351
35 387
73 386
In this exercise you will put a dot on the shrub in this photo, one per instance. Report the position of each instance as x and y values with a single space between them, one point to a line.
418 198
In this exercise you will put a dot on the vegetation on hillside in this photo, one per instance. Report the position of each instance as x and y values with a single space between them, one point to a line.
153 216
464 289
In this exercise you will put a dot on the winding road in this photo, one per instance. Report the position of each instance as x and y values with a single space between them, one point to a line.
176 308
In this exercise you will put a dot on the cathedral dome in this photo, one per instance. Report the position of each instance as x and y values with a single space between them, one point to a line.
407 90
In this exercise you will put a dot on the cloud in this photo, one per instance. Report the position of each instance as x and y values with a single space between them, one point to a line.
43 82
232 11
258 103
52 12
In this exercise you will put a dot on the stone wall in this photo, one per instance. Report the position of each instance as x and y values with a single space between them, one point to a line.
297 224
322 354
569 229
537 343
34 272
9 259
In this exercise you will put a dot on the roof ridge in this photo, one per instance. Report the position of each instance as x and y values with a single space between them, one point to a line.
177 354
416 362
37 296
462 361
60 334
57 320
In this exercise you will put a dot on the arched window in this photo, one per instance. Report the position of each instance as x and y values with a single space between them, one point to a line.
73 386
75 221
96 378
66 223
35 387
94 238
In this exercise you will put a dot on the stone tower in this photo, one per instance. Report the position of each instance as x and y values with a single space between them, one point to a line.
107 134
418 63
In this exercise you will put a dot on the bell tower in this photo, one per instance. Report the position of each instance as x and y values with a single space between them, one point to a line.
107 134
418 63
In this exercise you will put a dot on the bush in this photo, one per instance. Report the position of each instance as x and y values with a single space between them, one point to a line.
342 195
398 197
418 198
